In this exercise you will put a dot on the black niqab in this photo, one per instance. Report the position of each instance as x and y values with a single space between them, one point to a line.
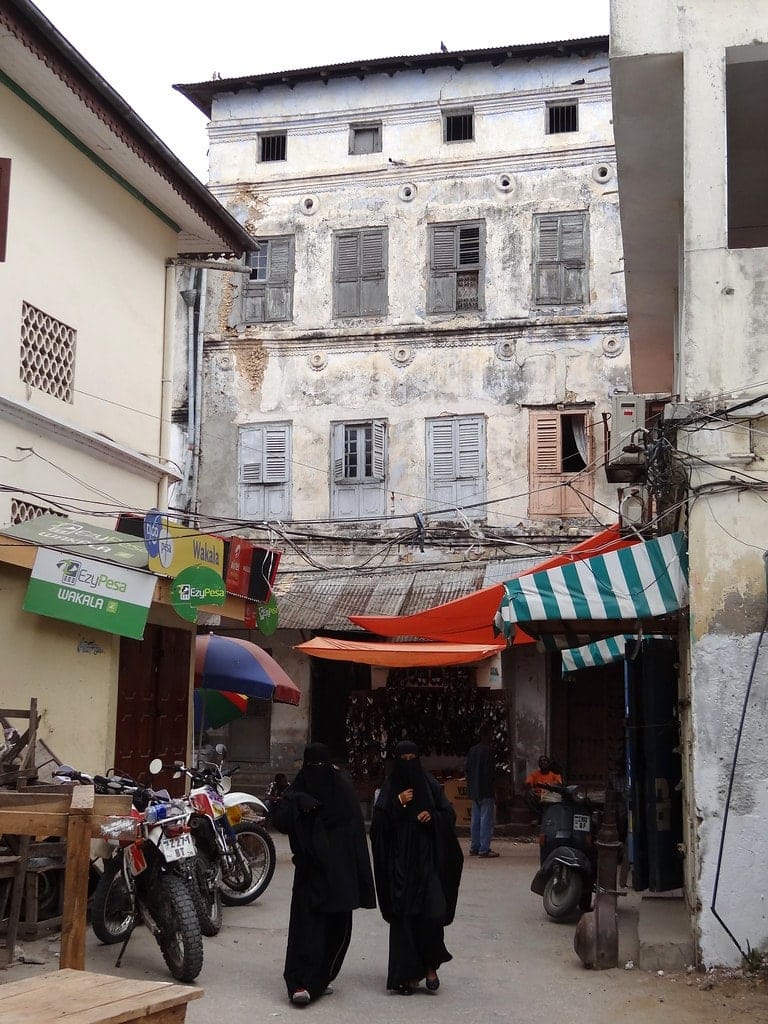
409 774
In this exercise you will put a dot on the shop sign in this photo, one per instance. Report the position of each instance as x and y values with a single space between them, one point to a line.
267 616
251 570
195 586
179 547
81 539
96 594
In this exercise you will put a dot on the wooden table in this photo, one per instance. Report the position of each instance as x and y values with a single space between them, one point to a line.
80 997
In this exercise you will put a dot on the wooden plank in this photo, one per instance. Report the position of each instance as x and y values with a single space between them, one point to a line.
28 799
33 823
76 879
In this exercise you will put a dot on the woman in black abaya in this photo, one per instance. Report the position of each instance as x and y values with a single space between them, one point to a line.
322 817
417 862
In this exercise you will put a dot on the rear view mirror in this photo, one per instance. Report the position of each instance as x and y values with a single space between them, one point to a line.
155 766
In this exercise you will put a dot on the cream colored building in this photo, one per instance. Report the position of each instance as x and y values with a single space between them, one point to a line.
434 324
690 86
98 224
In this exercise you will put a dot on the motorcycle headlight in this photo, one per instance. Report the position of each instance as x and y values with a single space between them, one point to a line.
579 794
234 815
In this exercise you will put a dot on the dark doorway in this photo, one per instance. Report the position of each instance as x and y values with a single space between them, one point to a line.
332 683
153 702
587 723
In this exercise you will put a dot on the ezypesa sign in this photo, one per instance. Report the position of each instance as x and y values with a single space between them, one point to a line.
98 594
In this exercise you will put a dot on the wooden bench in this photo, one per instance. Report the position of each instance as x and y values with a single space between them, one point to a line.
80 997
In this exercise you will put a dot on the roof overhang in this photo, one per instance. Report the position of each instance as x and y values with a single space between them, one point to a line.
648 131
41 67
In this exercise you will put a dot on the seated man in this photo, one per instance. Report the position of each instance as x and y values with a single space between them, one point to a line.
534 793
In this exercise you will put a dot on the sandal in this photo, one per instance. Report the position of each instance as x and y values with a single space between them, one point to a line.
433 984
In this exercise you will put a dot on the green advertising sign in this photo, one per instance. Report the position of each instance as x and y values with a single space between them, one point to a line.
97 594
195 586
81 539
267 616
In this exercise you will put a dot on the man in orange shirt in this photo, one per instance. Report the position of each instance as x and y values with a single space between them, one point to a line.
533 792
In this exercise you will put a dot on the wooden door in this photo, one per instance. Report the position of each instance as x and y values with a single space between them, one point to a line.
153 702
587 723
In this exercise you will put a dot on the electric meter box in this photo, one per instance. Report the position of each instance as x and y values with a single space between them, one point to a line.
627 417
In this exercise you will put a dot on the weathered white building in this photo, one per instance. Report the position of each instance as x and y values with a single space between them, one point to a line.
434 324
690 87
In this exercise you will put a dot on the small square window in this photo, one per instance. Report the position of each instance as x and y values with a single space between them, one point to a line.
272 147
364 138
459 126
562 117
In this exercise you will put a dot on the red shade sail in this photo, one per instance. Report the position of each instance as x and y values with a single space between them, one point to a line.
470 619
407 655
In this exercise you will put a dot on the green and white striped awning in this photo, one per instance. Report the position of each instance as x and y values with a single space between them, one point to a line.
602 652
634 583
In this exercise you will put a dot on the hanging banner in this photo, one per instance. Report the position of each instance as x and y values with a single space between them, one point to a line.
97 594
251 570
195 586
173 548
80 539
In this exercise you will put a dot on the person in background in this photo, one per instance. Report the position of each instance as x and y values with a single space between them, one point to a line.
321 815
481 773
417 864
533 791
275 791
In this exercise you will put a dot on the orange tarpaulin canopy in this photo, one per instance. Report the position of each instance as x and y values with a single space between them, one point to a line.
470 619
409 655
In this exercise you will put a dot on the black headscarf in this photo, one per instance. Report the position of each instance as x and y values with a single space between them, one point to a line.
318 778
410 775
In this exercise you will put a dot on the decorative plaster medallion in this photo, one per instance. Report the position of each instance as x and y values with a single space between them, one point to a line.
308 205
402 355
505 349
602 173
504 182
407 191
318 360
225 362
613 347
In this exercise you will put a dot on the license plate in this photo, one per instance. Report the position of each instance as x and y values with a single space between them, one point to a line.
177 847
581 823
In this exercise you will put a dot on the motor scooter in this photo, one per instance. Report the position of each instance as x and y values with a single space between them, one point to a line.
568 855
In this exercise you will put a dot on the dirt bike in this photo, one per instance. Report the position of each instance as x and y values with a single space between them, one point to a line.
236 854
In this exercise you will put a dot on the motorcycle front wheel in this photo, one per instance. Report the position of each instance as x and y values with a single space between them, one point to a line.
562 892
206 894
172 909
112 909
242 883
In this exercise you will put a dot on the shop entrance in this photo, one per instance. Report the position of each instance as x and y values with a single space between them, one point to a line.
587 723
332 683
153 701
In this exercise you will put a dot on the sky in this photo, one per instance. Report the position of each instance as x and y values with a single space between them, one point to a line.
142 48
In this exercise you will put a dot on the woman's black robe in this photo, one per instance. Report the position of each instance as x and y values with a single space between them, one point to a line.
332 876
417 868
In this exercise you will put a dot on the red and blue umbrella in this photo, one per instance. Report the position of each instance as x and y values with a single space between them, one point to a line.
227 663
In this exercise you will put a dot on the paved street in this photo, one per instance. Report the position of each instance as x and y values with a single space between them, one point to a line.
510 964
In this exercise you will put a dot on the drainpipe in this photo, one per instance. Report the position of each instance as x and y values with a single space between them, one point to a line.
166 393
201 276
191 297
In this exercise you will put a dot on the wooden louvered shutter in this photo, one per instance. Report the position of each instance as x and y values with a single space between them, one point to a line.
573 256
545 462
442 270
337 451
346 266
373 271
275 454
378 456
548 270
279 287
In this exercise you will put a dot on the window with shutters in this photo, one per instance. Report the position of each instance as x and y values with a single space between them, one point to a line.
272 146
360 272
561 475
456 255
264 470
358 469
562 117
560 259
269 289
456 472
364 138
459 125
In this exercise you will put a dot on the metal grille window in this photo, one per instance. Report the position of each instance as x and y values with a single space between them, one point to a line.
272 146
562 117
456 265
47 353
364 138
24 511
459 126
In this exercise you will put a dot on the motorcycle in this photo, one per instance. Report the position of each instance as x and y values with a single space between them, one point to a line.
142 882
236 854
568 855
